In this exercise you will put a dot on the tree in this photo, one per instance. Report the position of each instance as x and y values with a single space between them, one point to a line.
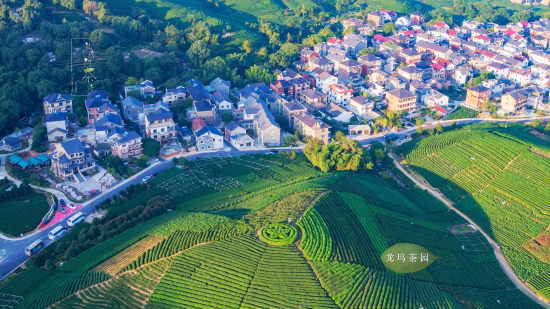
38 138
198 52
246 47
341 154
227 117
151 148
215 65
288 140
90 7
258 73
49 265
535 123
183 161
367 51
135 93
419 122
351 29
389 28
439 128
547 126
379 155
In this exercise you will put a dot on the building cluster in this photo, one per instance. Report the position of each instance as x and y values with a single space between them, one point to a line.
404 72
415 66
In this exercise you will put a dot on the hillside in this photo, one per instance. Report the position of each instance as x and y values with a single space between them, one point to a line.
495 175
206 253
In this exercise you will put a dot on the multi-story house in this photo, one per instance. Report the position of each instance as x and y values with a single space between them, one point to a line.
417 19
223 104
361 105
72 160
352 22
146 89
313 99
395 82
266 129
375 18
321 63
206 110
290 109
477 95
435 98
208 138
306 54
161 127
409 73
401 99
500 70
173 95
97 106
432 50
369 63
353 43
219 84
126 145
495 86
197 92
58 102
539 41
155 108
283 88
235 133
105 125
307 125
131 108
410 56
340 94
522 77
540 70
349 71
324 80
57 126
378 76
514 101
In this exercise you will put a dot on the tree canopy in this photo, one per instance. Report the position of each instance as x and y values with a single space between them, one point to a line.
340 155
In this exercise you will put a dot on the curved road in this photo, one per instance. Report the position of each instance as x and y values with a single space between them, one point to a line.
12 250
498 252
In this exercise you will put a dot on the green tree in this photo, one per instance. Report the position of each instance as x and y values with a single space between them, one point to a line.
439 128
198 52
215 65
419 122
547 126
246 47
227 117
367 51
288 140
389 28
535 123
151 148
258 73
349 30
38 138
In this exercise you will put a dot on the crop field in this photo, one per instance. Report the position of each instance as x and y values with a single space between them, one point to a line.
462 112
34 206
494 176
214 250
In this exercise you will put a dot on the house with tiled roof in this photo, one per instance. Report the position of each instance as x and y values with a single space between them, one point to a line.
521 77
307 125
500 70
401 99
349 71
292 108
97 106
369 63
376 18
336 112
173 95
313 99
266 129
208 138
324 80
219 84
340 94
417 18
378 40
409 73
361 105
57 126
72 160
477 95
410 56
131 108
146 89
58 102
161 127
322 63
353 43
125 145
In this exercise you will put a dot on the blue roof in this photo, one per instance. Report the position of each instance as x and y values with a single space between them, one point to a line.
101 93
129 101
180 89
107 105
112 118
159 116
57 116
73 146
23 163
128 136
55 97
196 90
14 158
57 129
207 129
34 161
42 157
114 131
95 102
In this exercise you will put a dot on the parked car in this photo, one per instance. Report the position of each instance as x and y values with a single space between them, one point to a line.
63 210
62 202
72 206
273 151
146 178
157 160
154 174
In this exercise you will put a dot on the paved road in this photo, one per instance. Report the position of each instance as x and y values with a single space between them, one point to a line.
498 252
12 250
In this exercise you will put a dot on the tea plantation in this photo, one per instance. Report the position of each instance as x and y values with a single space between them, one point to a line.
285 236
496 176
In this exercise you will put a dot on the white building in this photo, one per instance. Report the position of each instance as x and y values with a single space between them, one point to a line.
340 94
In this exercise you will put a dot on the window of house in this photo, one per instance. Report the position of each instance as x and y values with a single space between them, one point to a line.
208 147
202 142
202 147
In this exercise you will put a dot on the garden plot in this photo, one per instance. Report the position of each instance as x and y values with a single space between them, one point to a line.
473 242
198 175
9 301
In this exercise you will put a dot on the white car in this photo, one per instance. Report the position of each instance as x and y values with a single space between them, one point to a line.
72 206
146 178
157 160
